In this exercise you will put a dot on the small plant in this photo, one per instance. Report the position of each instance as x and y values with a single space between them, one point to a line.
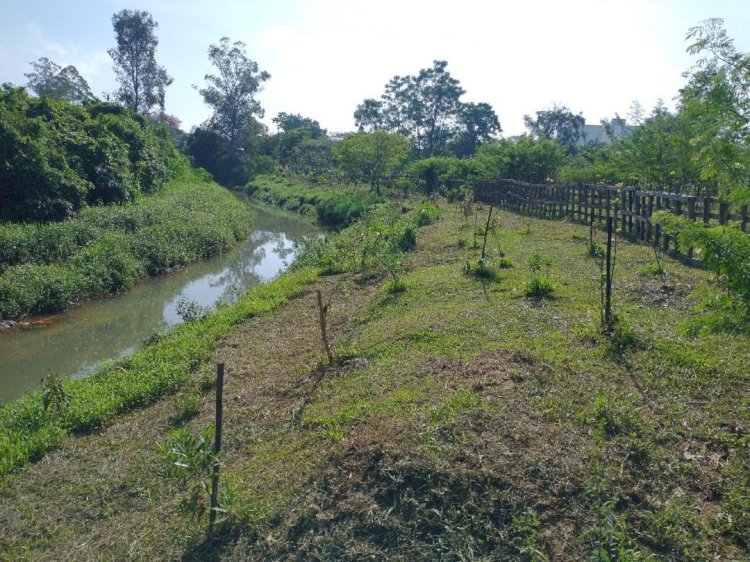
189 404
427 213
504 263
539 286
54 395
190 459
481 271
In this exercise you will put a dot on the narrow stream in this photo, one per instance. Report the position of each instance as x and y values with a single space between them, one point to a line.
104 329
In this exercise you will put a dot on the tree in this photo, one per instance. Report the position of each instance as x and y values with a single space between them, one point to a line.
526 159
142 81
295 130
479 124
228 140
369 116
559 124
716 101
231 92
49 79
293 121
372 157
427 109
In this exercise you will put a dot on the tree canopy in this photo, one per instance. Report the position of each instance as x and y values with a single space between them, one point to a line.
372 157
51 80
557 123
142 81
426 108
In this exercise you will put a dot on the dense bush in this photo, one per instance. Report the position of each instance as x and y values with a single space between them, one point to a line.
335 207
56 157
725 250
47 268
376 242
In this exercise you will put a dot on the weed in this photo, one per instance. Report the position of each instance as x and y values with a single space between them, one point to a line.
190 458
54 395
427 213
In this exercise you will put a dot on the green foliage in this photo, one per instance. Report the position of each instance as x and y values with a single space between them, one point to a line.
438 172
377 242
559 124
525 159
60 157
142 81
725 250
190 459
371 157
426 108
49 79
427 213
49 267
28 430
335 207
539 287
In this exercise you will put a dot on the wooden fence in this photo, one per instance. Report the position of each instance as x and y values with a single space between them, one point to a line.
630 207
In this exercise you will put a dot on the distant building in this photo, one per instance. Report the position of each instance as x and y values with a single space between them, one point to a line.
599 134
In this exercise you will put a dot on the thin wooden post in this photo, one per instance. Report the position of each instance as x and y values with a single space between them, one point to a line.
691 215
217 446
608 279
323 313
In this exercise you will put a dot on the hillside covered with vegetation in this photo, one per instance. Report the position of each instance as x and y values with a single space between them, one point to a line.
465 415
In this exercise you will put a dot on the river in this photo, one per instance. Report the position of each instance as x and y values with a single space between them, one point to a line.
81 339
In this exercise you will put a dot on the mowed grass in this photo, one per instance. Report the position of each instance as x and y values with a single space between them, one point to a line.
471 422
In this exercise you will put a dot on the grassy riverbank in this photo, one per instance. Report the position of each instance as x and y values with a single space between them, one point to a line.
50 267
468 420
334 206
39 422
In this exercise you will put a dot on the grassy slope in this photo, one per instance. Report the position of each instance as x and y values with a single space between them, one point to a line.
476 423
50 267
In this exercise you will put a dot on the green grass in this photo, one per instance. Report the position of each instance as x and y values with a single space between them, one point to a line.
49 268
28 430
472 422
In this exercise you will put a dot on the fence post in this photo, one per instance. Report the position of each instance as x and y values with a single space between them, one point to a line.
217 446
608 279
691 216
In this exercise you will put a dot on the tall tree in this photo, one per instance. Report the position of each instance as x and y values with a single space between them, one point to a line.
427 109
558 123
51 80
479 124
369 116
716 101
142 81
231 92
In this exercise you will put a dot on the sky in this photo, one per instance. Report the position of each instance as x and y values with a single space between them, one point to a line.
325 56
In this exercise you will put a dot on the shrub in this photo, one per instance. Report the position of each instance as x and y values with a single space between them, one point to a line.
427 213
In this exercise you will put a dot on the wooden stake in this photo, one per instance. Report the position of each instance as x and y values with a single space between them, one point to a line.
217 445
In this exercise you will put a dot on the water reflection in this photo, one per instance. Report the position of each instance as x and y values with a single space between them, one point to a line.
108 328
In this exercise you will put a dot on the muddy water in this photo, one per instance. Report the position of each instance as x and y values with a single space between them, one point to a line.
79 340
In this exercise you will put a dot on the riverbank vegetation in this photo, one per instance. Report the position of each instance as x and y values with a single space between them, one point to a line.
29 427
463 417
333 204
50 267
